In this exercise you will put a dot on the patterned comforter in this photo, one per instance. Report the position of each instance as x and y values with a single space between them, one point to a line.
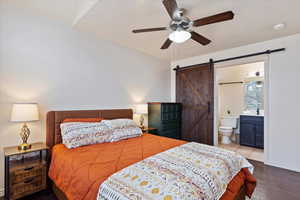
191 171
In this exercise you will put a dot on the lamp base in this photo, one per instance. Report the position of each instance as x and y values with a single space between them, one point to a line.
25 132
142 122
142 127
24 147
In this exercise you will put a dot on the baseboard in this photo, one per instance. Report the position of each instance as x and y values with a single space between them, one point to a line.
282 166
1 192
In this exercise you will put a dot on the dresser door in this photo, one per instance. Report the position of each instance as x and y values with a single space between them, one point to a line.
171 119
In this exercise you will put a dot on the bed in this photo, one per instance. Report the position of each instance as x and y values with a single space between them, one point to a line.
78 173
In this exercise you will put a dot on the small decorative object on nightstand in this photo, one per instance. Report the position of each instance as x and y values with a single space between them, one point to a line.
141 109
24 113
25 171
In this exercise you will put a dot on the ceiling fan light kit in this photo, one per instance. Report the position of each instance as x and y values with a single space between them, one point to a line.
180 36
181 26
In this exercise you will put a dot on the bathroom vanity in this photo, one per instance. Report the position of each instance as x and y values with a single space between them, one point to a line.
252 131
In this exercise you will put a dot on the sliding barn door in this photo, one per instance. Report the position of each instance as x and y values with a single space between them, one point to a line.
194 89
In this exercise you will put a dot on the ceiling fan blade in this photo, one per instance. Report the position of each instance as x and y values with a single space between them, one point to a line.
149 30
214 19
199 38
171 6
166 45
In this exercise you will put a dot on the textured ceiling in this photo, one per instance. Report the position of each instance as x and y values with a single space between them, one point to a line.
113 20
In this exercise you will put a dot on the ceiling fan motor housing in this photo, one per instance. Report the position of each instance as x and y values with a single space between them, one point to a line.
183 23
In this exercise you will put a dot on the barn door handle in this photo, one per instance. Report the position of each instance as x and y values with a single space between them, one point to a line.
208 104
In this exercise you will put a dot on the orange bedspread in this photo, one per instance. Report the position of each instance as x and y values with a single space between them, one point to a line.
79 172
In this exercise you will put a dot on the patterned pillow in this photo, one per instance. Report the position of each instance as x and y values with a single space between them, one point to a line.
119 123
82 120
125 133
79 134
122 129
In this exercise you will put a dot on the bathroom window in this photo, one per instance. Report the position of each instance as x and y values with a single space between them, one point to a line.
254 95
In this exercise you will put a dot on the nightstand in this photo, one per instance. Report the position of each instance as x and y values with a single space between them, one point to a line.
149 130
25 171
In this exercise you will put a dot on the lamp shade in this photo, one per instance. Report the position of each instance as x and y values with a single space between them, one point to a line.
141 109
25 112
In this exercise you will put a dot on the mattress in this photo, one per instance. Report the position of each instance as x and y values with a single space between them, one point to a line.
79 172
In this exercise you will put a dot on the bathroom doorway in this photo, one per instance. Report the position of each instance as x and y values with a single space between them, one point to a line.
240 108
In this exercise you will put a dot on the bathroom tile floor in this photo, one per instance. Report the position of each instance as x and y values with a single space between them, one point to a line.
248 152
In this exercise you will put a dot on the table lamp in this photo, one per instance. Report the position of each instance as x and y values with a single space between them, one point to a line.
141 109
27 112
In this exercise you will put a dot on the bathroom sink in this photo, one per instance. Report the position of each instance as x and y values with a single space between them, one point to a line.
253 113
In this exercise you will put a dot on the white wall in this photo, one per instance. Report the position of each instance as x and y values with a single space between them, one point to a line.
231 96
283 76
52 64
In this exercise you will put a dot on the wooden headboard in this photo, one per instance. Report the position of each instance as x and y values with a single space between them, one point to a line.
55 118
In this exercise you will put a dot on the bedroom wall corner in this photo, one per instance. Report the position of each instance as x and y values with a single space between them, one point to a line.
60 68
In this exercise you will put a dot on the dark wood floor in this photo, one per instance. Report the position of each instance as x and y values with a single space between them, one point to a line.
273 184
276 184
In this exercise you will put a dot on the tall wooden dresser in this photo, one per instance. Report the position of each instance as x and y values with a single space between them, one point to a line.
166 118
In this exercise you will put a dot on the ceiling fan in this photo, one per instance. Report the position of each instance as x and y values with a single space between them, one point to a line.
181 26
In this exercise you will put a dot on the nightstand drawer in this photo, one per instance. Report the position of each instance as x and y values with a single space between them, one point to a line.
28 186
20 175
